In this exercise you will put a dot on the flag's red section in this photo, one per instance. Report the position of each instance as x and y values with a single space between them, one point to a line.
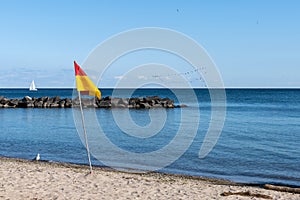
84 92
78 70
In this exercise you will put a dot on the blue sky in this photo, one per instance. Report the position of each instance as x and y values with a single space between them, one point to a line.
254 43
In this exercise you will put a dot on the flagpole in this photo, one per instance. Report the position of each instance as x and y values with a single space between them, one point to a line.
85 135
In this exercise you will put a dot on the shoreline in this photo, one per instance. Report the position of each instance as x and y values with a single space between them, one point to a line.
25 179
150 173
108 169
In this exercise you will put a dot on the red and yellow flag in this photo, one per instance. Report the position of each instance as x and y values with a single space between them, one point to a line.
84 85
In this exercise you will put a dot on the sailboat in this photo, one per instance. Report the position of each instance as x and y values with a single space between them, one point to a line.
32 86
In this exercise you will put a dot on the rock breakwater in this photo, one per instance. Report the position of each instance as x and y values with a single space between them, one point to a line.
107 102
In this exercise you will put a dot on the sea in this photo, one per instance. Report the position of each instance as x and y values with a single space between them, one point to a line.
259 142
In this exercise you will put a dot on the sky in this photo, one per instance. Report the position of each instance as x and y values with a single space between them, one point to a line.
253 43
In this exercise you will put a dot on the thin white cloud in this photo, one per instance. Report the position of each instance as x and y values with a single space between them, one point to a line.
21 77
118 77
142 77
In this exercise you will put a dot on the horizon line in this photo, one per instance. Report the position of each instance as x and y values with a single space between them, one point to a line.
159 88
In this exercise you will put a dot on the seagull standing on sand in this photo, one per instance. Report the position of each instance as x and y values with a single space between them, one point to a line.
38 157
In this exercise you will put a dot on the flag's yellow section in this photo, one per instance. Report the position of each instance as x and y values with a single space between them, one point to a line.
84 85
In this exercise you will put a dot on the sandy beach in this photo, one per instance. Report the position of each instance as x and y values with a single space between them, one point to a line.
21 179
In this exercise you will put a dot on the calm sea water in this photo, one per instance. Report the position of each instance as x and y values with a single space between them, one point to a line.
260 142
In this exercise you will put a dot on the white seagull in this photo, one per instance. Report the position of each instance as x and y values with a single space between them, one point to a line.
38 157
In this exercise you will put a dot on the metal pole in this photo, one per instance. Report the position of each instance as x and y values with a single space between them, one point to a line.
85 135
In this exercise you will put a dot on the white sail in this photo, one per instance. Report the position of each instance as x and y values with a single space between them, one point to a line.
32 86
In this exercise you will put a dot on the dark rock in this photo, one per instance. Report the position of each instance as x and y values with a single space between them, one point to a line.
122 106
22 104
68 103
46 105
165 99
54 105
45 99
89 103
133 101
4 100
56 99
124 101
62 104
104 104
5 106
75 102
145 105
157 106
27 99
108 98
115 102
152 99
38 104
170 106
140 99
30 105
13 102
146 99
68 100
182 106
35 104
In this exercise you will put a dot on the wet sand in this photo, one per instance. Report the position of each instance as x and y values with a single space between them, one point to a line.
22 179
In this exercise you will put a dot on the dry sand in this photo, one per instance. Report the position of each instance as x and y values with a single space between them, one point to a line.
20 179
